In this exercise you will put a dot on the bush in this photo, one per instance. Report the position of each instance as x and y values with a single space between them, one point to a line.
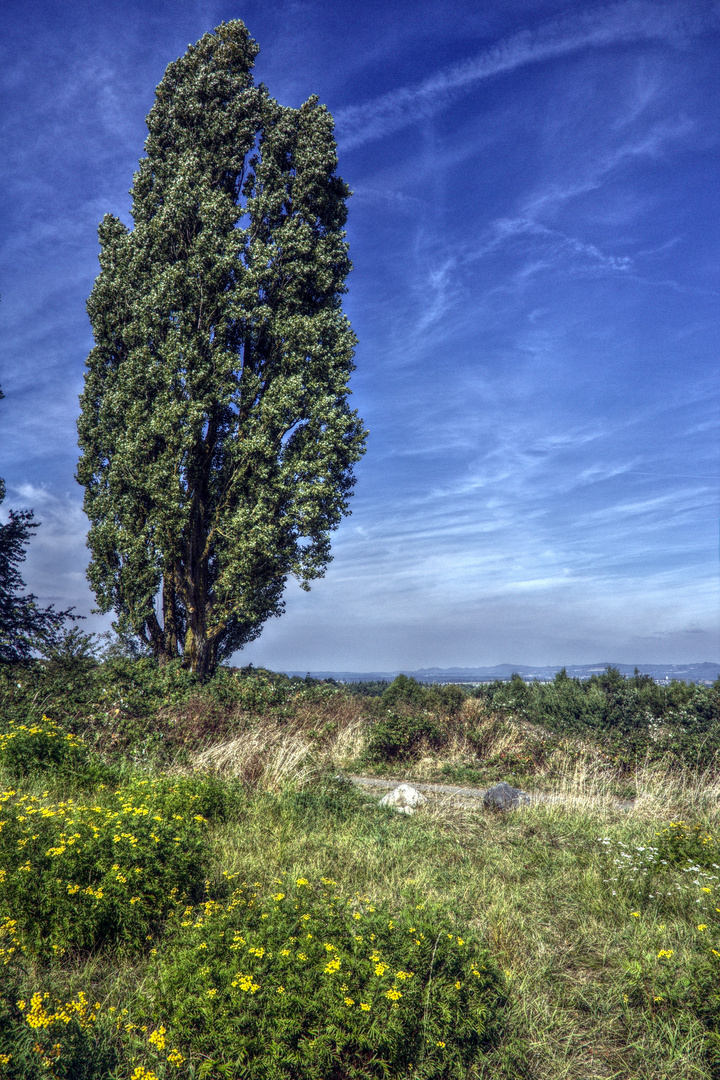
83 873
631 717
406 690
397 737
61 1040
43 747
302 982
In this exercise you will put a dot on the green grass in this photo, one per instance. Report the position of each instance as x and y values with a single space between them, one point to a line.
593 926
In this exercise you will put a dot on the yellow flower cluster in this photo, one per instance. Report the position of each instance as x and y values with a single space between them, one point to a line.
37 1016
157 1039
47 727
9 932
74 829
245 982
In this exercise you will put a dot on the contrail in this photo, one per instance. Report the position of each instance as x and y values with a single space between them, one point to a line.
617 23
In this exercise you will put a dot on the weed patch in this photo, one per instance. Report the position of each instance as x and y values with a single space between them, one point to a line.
27 749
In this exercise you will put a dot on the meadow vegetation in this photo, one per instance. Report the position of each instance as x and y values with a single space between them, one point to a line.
191 887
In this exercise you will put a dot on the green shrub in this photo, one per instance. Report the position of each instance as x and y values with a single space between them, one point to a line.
302 982
632 717
397 736
29 748
406 690
108 869
60 1040
43 747
450 698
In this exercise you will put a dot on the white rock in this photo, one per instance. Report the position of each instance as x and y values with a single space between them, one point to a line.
404 798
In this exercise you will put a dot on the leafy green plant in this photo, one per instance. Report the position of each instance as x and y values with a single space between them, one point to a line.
398 736
681 845
300 981
406 690
62 1040
43 747
81 873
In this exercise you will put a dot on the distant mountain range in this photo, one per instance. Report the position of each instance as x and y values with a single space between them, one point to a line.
697 673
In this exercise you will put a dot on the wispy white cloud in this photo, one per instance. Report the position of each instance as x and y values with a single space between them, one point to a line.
612 24
56 554
589 176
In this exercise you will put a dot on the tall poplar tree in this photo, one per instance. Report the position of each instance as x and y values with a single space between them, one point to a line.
217 441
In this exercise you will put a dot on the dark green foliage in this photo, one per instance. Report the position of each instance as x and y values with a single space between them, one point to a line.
43 748
61 1050
446 698
107 869
146 711
398 736
24 627
631 717
372 689
411 716
113 704
450 698
406 690
217 440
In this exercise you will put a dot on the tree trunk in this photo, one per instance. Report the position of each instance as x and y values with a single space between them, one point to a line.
170 629
200 653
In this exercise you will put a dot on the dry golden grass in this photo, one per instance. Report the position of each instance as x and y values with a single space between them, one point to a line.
266 758
274 752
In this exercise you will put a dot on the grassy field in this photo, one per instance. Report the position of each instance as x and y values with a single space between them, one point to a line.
194 890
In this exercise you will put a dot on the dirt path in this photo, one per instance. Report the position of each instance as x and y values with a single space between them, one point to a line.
460 792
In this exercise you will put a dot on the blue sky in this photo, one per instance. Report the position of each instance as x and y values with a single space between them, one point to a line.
535 235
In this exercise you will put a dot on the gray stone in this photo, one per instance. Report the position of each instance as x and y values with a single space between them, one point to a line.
505 797
404 798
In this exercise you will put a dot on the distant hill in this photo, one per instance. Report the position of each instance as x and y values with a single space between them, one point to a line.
698 673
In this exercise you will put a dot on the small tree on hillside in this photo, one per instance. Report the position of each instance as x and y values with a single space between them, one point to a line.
217 442
24 627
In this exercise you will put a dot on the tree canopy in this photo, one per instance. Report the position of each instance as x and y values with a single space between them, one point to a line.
216 436
24 627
